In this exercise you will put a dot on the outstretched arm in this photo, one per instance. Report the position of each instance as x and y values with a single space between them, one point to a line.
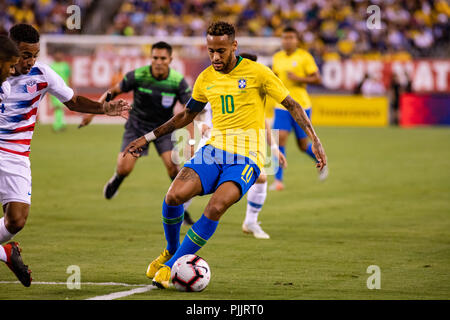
85 105
178 121
302 119
114 91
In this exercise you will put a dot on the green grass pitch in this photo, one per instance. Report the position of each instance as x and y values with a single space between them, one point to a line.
386 203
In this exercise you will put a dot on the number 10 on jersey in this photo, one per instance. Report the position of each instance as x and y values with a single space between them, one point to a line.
227 103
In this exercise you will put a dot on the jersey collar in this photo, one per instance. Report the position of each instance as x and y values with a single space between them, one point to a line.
239 59
293 53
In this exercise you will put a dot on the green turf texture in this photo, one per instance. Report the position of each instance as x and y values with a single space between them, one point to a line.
386 203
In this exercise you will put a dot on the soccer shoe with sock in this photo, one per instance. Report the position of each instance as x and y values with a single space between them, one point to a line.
162 277
111 187
276 185
187 220
323 174
15 263
255 229
157 264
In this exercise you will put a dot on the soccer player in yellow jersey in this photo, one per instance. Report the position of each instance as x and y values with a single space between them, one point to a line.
231 160
296 69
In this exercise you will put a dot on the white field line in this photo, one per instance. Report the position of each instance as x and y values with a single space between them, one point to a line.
81 283
121 294
111 296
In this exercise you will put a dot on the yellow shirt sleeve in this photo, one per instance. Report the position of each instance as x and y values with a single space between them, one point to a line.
272 85
198 90
275 64
310 64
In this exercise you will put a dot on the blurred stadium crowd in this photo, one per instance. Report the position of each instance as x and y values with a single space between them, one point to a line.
49 16
413 26
329 28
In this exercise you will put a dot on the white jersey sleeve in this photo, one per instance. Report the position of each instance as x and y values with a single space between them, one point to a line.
208 115
56 85
5 90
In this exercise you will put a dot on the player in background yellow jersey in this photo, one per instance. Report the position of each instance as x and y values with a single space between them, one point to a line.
296 68
231 160
256 195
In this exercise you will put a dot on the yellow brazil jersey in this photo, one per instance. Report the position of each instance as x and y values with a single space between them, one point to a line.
238 106
302 64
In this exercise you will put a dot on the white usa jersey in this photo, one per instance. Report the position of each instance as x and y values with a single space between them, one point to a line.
19 110
5 90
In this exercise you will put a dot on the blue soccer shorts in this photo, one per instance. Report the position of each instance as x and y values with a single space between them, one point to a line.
215 166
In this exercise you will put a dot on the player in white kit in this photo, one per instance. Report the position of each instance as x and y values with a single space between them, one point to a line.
29 84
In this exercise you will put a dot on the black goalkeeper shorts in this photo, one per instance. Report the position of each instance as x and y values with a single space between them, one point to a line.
135 129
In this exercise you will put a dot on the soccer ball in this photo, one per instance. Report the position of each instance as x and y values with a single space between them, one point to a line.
190 273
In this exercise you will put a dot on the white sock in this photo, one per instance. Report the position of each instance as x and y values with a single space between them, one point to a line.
255 199
2 254
187 204
5 235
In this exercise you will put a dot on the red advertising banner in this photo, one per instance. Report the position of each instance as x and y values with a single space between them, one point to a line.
424 109
92 75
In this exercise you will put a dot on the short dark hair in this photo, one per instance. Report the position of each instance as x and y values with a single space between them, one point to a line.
249 56
8 48
162 45
24 33
293 30
221 28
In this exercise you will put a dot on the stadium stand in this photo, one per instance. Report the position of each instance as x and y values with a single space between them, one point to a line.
330 29
413 26
49 16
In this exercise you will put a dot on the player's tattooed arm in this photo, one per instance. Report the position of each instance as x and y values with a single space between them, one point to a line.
178 121
302 119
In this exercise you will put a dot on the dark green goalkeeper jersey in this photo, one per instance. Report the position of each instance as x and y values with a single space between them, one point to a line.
153 99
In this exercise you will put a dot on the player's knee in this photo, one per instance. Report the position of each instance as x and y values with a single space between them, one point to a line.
262 178
15 224
172 171
215 211
173 198
16 216
125 165
124 170
303 146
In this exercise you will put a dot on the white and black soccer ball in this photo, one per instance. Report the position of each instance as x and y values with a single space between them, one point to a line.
190 273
